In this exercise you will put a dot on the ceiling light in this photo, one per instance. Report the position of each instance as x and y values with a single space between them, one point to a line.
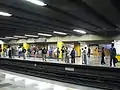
2 38
42 34
62 33
37 2
19 36
79 31
5 14
8 37
31 36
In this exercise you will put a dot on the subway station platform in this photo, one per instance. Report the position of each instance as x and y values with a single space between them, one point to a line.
15 81
92 61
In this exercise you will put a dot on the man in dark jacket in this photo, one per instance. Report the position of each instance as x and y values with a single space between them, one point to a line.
44 53
112 55
72 56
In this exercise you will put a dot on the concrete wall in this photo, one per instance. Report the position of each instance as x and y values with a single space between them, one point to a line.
78 38
65 38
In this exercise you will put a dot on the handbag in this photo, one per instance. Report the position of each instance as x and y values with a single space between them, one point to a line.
116 60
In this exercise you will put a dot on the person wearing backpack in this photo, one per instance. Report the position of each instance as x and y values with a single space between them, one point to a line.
58 53
72 56
112 55
44 53
24 52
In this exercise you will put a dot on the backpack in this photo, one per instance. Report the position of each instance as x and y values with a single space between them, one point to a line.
24 50
44 51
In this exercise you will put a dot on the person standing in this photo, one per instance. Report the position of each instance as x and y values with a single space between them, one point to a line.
19 51
44 53
63 53
10 52
102 56
85 56
72 56
24 53
112 55
66 55
89 52
58 53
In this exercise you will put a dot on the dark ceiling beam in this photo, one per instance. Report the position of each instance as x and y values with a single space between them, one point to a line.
18 31
33 13
17 28
29 26
70 15
39 15
79 2
116 4
89 30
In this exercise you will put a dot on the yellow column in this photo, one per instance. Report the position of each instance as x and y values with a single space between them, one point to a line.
59 45
26 46
77 48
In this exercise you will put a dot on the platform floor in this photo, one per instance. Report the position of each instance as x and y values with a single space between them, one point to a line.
92 61
14 81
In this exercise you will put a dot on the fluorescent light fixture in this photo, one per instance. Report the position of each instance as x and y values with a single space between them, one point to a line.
37 2
42 34
8 37
2 38
5 14
31 36
19 36
79 31
61 33
14 38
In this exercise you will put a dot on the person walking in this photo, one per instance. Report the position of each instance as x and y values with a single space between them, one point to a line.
72 56
44 53
112 55
102 56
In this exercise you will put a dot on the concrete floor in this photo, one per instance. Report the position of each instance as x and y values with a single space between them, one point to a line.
14 81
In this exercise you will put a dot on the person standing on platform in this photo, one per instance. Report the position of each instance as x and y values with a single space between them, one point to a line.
58 53
89 52
63 53
102 56
72 56
66 55
112 55
44 53
10 52
24 53
85 56
19 51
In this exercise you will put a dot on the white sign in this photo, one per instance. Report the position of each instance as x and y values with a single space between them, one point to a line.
69 69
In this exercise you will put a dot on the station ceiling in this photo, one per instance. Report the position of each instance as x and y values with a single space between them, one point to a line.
100 17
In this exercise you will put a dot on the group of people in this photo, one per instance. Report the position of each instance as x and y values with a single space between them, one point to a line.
66 54
113 59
